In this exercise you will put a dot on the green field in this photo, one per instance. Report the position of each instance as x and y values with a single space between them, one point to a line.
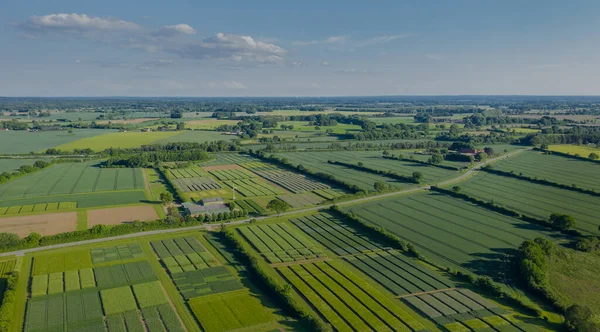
253 187
12 165
229 159
346 301
84 200
195 136
280 243
294 182
26 142
582 150
72 178
304 126
536 200
451 232
553 168
116 140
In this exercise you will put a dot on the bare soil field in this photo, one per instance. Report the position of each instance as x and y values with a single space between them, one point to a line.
114 216
44 224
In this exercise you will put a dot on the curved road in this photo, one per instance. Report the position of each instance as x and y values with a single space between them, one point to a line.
461 177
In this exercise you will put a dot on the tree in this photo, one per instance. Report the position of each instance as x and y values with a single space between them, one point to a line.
436 159
166 198
360 164
9 240
456 189
278 206
173 215
70 131
544 147
577 316
481 156
489 151
593 156
180 126
380 186
563 222
417 177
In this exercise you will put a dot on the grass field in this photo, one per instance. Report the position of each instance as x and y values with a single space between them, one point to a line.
72 178
304 126
117 140
553 168
453 233
25 142
581 150
346 301
12 165
536 200
393 120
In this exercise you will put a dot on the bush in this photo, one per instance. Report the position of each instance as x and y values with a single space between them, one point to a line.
8 302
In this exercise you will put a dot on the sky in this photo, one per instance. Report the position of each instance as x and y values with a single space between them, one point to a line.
299 48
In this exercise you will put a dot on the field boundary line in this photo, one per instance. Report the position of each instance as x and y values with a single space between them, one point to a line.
425 293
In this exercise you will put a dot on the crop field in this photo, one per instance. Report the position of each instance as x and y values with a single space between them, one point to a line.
231 311
212 280
112 276
536 200
454 307
183 254
329 193
185 173
582 150
345 301
250 206
209 123
195 136
119 253
83 200
300 200
196 184
13 164
74 260
317 161
293 182
231 174
340 128
553 168
335 235
117 140
399 274
280 243
43 207
72 178
25 142
452 232
253 187
229 159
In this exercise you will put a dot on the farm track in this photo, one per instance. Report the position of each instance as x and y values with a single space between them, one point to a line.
210 227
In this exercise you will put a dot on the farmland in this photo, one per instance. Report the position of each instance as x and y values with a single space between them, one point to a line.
346 301
72 178
536 200
116 140
280 243
194 136
293 182
21 142
253 187
317 161
552 168
451 232
582 150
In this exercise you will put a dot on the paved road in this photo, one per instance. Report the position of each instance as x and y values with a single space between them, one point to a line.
461 177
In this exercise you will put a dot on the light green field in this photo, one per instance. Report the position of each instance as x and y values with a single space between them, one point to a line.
393 120
25 142
524 130
209 123
117 140
196 136
581 150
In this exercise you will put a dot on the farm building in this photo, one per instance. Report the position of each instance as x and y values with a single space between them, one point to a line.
206 205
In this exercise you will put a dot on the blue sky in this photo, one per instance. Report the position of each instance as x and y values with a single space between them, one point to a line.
298 48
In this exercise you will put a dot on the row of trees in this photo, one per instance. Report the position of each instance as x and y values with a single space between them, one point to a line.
24 170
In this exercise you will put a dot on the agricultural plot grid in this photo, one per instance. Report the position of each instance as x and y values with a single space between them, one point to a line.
185 173
300 200
231 174
280 243
196 184
346 301
253 187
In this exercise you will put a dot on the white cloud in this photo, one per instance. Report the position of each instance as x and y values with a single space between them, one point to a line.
235 85
172 30
327 41
76 22
325 64
229 46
